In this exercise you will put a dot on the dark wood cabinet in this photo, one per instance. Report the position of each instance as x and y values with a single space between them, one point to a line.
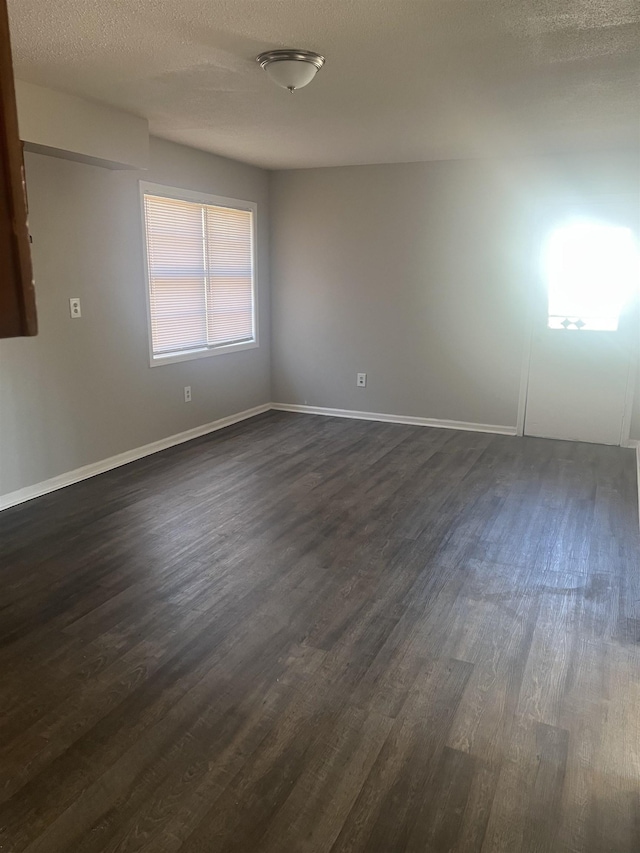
17 295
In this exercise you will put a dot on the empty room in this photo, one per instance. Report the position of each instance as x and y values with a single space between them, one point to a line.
319 426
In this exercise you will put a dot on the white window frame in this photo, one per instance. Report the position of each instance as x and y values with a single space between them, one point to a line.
161 190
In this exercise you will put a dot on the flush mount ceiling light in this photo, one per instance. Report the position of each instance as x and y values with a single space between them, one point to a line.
291 69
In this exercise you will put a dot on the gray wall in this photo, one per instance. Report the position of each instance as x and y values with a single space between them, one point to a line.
417 274
83 391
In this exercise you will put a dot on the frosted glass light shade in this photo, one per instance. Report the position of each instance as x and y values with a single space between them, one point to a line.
291 74
291 69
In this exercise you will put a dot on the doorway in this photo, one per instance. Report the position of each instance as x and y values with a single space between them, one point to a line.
584 334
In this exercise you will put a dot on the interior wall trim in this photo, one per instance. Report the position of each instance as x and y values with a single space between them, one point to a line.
636 445
38 489
395 419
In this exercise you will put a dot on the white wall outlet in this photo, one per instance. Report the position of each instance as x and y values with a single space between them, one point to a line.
74 308
187 393
361 380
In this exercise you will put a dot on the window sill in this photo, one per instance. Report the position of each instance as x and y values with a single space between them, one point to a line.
190 355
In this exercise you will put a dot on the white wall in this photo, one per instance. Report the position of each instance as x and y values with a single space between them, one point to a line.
417 274
82 390
76 129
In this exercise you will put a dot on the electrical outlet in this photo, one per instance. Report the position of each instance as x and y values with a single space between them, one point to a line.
74 308
187 393
361 380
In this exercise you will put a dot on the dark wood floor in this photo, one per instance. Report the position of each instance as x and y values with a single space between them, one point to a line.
306 634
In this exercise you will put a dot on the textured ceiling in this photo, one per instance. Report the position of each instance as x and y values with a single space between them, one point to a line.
405 80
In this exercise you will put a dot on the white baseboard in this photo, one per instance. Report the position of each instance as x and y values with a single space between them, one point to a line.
395 419
43 488
38 489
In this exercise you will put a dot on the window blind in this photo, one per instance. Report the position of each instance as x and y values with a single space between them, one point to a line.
200 268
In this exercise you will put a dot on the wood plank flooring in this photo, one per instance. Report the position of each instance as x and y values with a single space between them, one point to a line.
315 635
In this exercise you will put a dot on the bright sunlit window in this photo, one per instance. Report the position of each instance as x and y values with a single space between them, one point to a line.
592 272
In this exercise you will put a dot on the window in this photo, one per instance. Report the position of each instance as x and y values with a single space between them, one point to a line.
200 273
592 273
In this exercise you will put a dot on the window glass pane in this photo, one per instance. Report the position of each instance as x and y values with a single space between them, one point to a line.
230 274
592 272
